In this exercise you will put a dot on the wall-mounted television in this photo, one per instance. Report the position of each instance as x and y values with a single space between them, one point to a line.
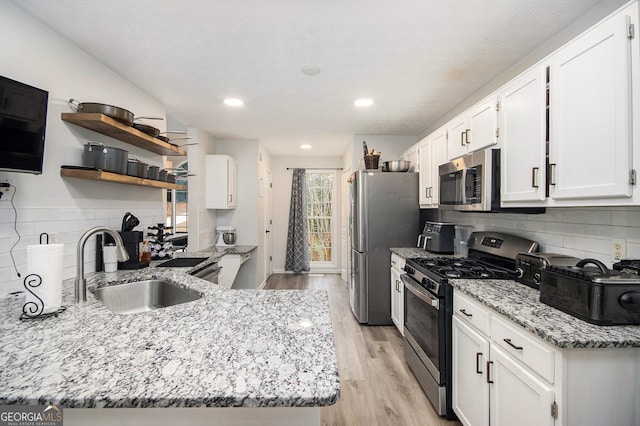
23 121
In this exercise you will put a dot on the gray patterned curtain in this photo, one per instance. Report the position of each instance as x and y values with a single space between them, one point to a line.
297 245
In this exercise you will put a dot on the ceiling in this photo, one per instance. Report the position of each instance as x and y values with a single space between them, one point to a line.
417 59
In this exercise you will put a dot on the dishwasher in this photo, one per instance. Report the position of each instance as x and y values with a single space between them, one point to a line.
209 272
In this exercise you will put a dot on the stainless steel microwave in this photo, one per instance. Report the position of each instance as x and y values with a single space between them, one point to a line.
472 183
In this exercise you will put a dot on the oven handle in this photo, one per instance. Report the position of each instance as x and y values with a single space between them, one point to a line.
410 285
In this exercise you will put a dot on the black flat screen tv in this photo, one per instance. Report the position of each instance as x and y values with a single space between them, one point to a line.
23 121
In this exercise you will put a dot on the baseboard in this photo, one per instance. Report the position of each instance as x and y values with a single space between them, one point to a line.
313 271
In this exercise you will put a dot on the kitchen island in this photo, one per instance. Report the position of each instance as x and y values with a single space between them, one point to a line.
190 362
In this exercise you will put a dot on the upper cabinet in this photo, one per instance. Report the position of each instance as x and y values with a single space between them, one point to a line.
431 152
220 185
473 130
411 155
523 137
590 113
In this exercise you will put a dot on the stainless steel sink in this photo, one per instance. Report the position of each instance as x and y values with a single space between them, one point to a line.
143 296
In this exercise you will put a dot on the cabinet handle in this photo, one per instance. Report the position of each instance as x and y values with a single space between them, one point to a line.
462 138
426 192
489 363
552 173
465 313
534 172
508 342
431 192
231 198
466 136
478 356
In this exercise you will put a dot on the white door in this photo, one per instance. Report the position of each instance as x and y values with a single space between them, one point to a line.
483 122
426 172
590 139
517 397
457 137
268 225
522 135
470 390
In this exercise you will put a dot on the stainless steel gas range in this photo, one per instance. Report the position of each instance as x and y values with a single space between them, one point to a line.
429 304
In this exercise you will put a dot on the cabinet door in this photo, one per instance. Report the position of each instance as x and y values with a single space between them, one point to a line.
456 137
470 392
590 139
438 157
483 122
426 172
517 397
411 155
231 182
397 316
522 135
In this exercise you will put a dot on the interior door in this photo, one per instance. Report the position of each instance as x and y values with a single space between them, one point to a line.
268 244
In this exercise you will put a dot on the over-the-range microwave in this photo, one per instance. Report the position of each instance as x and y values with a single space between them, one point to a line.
472 183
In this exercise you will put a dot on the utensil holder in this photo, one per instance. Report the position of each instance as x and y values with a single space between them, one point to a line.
371 161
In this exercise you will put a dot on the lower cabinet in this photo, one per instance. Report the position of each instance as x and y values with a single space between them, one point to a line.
491 386
397 292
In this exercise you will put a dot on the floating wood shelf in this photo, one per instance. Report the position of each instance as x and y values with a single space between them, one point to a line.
104 125
117 178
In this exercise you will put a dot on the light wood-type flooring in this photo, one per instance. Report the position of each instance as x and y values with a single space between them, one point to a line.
376 385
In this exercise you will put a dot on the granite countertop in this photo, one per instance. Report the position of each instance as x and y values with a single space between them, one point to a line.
232 348
521 304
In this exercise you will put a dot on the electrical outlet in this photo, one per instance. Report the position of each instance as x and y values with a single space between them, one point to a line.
5 190
618 248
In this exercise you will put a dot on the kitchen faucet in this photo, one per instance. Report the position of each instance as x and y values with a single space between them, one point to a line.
81 283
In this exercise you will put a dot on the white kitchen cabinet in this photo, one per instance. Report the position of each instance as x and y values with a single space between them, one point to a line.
474 129
431 151
397 292
411 155
220 186
522 126
492 386
590 112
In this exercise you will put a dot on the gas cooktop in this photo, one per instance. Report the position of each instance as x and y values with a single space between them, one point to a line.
447 267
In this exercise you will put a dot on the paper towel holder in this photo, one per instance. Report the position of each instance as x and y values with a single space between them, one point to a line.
31 309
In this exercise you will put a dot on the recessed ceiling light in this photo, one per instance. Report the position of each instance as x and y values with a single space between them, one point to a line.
310 71
305 146
363 102
233 102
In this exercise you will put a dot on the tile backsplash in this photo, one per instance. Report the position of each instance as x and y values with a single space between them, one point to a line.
580 232
64 226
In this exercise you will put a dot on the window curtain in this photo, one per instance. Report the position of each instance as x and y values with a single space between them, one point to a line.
297 259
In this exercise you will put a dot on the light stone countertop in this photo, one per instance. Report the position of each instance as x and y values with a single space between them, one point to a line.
521 304
232 348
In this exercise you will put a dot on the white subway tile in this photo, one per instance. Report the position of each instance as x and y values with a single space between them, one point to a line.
38 215
627 232
587 244
587 216
77 214
577 229
633 250
625 217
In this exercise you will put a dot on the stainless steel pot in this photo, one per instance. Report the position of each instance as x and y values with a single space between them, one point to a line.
107 158
117 113
396 166
171 178
153 172
163 175
136 168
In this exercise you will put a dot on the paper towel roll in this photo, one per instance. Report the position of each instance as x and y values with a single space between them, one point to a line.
46 260
110 257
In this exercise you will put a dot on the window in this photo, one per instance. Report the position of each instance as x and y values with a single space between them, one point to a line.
320 220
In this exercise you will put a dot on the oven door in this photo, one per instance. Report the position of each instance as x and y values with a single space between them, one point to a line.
424 326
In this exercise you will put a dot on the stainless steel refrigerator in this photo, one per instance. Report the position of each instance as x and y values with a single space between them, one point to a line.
384 213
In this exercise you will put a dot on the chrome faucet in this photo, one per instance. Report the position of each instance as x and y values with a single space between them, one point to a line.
81 283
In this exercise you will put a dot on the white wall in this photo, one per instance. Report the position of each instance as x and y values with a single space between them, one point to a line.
202 221
282 200
580 232
391 148
33 54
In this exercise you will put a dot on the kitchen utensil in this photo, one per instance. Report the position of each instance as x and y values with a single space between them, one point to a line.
117 113
102 157
371 162
529 266
396 166
129 222
364 148
153 172
145 128
136 168
594 294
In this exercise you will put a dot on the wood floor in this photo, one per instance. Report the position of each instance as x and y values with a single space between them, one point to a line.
376 385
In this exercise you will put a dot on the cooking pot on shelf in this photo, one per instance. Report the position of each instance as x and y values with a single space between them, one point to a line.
162 175
107 158
171 178
153 172
136 168
117 113
145 128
